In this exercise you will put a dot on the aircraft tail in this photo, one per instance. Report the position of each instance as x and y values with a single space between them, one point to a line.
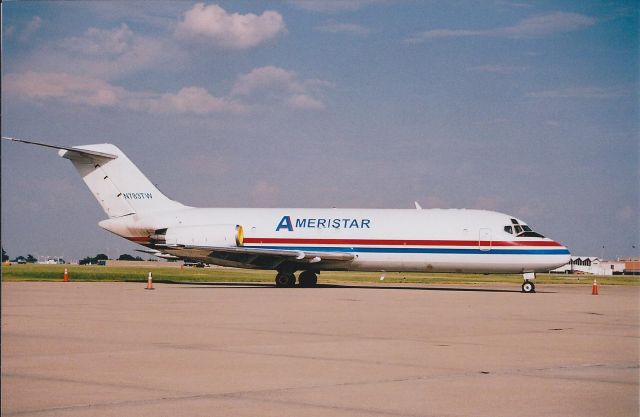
118 185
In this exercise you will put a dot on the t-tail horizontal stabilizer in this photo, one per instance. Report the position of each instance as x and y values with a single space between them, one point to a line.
117 184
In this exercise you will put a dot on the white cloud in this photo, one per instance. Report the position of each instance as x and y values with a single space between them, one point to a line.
101 53
487 203
580 92
558 22
267 78
32 27
273 84
498 69
77 89
234 31
101 43
61 86
442 33
305 102
349 28
434 201
265 193
533 27
8 32
266 86
627 215
332 6
194 100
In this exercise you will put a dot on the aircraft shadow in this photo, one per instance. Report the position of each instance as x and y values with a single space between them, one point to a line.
212 284
414 288
345 286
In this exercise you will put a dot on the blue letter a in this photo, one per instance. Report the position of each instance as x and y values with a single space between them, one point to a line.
285 223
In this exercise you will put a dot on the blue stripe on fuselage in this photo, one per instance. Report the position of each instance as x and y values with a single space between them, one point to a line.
420 250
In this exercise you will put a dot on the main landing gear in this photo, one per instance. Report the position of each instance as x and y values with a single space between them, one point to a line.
528 286
307 279
287 279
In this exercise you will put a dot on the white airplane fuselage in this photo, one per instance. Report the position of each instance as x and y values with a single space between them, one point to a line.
430 240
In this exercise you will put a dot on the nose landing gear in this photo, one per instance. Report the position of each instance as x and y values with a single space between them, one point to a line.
528 286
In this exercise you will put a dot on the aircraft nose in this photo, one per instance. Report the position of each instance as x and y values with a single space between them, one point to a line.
566 253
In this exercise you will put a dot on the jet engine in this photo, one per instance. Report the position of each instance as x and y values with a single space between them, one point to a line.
207 235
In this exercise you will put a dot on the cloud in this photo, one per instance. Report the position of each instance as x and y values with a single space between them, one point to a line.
61 86
267 78
193 100
348 28
442 33
580 92
103 53
8 32
305 102
212 24
498 69
333 6
434 201
273 84
487 203
558 22
93 92
265 86
265 193
100 42
627 215
533 27
32 27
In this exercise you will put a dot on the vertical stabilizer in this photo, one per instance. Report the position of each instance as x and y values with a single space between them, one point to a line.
118 185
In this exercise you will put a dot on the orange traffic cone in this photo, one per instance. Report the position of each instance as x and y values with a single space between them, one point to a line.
150 283
594 288
66 275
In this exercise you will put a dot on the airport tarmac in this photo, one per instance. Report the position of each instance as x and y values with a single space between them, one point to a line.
115 349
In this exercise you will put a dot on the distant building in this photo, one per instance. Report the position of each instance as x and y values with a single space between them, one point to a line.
631 266
592 265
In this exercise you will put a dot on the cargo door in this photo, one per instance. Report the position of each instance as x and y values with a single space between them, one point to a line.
484 240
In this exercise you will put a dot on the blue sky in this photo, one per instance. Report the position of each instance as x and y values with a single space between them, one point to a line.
528 108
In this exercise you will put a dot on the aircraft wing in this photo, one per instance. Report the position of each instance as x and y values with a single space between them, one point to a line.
157 253
264 258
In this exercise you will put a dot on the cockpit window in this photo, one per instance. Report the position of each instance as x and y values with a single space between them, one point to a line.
520 230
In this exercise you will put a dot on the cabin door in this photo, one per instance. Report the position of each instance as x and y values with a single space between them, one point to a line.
484 240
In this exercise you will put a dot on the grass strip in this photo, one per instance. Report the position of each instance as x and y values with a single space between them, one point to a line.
92 273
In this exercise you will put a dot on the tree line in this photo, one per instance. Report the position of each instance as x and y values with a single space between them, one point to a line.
100 258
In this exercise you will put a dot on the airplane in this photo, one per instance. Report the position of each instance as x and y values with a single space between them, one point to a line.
289 240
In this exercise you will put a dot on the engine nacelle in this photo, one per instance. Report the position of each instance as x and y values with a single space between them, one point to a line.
206 235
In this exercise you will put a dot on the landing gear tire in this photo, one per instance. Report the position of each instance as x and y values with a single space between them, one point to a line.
307 279
528 287
285 280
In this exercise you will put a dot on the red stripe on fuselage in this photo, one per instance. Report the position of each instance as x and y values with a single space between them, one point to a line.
138 238
397 242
